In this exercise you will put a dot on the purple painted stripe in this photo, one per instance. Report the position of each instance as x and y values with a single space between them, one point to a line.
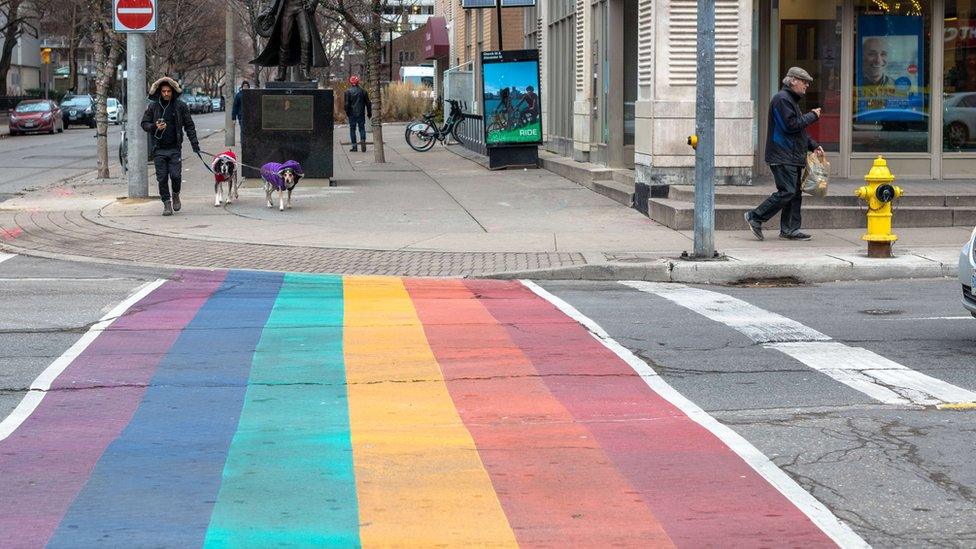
47 461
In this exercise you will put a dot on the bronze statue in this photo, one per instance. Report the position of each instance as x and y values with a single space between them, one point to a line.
293 39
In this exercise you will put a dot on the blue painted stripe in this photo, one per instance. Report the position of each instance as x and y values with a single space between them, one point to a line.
157 483
289 479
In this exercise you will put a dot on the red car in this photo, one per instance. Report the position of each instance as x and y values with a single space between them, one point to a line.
36 115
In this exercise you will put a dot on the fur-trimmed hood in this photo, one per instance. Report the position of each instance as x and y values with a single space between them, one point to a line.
154 89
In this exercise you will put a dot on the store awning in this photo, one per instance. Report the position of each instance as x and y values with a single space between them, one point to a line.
435 38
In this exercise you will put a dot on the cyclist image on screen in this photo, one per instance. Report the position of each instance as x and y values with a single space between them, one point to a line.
531 102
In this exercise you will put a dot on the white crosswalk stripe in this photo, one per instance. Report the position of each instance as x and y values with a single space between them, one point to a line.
874 375
4 257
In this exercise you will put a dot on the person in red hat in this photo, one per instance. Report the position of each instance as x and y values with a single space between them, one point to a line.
358 108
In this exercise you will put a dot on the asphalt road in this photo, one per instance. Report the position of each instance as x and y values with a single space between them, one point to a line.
40 160
900 475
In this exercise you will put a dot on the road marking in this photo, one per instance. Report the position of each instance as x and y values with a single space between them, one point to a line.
967 317
42 384
863 370
806 503
4 257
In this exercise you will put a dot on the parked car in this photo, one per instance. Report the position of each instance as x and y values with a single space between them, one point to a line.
36 115
79 109
959 121
116 112
967 274
207 103
218 104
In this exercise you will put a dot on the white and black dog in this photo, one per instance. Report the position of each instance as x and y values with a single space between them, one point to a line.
281 177
225 170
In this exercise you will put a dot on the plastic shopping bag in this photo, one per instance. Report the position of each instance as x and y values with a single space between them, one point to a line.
815 175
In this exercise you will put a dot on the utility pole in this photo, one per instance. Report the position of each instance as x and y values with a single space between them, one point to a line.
705 130
230 79
136 90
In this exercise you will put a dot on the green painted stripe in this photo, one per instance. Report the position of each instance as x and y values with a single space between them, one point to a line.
288 479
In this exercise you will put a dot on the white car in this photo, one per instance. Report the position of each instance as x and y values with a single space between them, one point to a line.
967 274
116 112
959 120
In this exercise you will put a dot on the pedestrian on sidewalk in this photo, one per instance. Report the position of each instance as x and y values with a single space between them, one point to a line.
166 120
787 144
237 112
358 109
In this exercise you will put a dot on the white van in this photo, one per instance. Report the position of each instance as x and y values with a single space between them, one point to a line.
419 76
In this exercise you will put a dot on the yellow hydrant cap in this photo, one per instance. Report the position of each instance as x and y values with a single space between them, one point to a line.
879 172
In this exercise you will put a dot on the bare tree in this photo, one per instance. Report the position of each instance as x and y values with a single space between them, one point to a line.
106 45
16 19
363 22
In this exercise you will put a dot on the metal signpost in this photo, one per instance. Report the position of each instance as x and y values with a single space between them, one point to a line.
705 130
135 18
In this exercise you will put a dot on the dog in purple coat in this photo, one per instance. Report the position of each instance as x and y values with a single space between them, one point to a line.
281 177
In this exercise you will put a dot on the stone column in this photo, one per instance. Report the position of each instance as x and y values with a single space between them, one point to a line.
583 105
665 111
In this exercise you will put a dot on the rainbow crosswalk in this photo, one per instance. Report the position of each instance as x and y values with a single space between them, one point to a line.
242 409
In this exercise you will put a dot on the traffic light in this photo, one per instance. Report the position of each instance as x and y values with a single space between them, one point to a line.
45 55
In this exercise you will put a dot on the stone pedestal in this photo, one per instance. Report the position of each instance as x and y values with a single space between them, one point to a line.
288 121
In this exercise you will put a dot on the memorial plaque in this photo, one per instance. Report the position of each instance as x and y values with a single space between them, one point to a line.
282 124
287 112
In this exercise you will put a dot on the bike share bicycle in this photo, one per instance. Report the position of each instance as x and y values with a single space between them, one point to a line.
422 135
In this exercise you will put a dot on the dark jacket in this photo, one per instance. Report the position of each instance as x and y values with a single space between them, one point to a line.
184 122
787 141
238 104
357 102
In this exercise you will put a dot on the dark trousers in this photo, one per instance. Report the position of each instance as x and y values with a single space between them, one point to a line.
788 198
293 17
169 164
357 122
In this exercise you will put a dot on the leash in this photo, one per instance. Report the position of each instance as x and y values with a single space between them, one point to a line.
211 155
209 169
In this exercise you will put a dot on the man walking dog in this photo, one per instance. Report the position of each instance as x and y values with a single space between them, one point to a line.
358 109
787 144
166 120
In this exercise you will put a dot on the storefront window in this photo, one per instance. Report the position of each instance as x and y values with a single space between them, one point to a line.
810 37
959 71
892 87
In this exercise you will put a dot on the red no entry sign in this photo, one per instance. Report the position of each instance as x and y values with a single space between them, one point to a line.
135 15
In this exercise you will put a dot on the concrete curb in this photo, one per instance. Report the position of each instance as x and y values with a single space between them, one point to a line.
733 271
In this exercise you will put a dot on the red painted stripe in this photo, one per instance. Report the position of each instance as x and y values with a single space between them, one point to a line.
46 462
557 486
702 493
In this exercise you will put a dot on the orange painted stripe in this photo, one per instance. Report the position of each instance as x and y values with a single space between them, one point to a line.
554 481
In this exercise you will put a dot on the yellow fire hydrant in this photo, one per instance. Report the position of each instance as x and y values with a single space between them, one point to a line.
879 193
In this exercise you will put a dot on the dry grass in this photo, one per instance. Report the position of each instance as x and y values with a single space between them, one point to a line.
402 102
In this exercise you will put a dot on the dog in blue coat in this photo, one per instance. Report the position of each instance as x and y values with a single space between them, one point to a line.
281 177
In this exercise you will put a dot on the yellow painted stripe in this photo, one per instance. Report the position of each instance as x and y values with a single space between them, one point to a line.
419 478
957 406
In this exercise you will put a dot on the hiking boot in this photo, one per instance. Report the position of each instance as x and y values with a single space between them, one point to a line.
167 208
795 236
177 205
281 74
353 149
755 226
362 147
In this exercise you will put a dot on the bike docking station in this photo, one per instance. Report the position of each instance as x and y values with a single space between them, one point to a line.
288 121
512 108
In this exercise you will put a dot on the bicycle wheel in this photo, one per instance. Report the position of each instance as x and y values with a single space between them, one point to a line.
457 129
124 154
420 136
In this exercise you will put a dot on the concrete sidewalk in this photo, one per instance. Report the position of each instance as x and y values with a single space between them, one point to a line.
435 214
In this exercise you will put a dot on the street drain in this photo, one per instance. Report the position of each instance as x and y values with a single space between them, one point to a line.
882 312
773 282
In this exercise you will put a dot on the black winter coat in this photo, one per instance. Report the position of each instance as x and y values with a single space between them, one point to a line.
184 122
357 102
787 141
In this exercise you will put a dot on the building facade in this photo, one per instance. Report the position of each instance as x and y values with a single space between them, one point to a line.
619 77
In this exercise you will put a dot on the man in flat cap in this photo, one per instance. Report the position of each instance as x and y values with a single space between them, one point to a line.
787 144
